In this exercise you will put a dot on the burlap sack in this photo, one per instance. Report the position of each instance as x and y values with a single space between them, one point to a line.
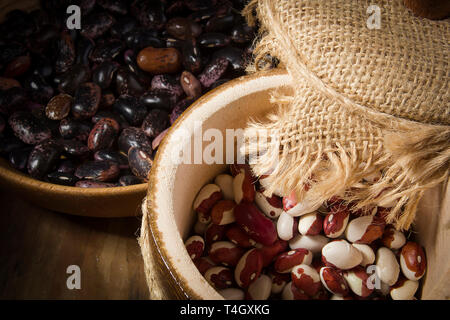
365 100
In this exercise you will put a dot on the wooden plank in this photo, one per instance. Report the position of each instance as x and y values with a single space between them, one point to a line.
37 246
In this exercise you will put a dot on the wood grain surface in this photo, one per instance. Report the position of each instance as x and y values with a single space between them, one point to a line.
37 246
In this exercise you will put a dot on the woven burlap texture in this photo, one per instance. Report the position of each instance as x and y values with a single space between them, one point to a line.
365 100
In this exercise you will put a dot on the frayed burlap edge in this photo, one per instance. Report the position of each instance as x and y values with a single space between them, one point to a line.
413 156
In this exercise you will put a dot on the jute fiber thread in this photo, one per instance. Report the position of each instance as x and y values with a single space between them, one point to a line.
365 100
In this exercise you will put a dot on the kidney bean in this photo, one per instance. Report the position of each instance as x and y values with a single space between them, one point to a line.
86 100
270 252
127 83
61 178
71 80
38 88
67 166
155 122
214 232
260 289
158 99
167 82
42 158
65 53
192 56
17 67
104 73
225 253
129 180
95 25
133 137
70 128
28 128
103 134
190 84
179 108
131 109
357 281
195 246
149 14
248 268
257 226
106 50
183 28
306 279
113 156
310 224
220 23
18 158
213 72
291 292
413 261
75 148
232 294
239 237
287 260
140 162
103 171
94 184
219 277
59 107
8 83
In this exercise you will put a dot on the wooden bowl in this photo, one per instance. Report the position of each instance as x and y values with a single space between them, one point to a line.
101 202
168 216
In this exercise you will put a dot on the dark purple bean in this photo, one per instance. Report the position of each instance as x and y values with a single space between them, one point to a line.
18 158
107 50
59 107
42 39
122 27
38 88
114 156
167 82
220 23
94 184
133 137
179 108
28 128
127 83
191 86
8 83
213 40
75 148
157 141
150 14
61 178
87 6
113 115
155 122
192 57
142 38
72 79
84 49
67 166
17 67
132 110
234 55
95 25
129 180
43 158
196 5
104 73
86 100
12 99
174 43
158 99
104 171
140 162
73 129
130 59
242 33
183 28
115 6
103 135
202 15
65 53
213 72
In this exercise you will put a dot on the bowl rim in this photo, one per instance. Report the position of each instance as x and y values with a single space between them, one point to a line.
14 176
152 211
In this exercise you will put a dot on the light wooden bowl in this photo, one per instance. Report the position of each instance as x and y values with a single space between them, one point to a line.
168 216
101 202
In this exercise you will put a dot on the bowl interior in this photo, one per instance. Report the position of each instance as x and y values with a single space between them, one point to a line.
174 186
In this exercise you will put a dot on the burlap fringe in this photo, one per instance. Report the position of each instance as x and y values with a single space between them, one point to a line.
412 156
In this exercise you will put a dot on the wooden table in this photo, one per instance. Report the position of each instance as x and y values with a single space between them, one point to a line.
37 246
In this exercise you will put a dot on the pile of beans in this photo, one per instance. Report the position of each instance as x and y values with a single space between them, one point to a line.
249 246
89 107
